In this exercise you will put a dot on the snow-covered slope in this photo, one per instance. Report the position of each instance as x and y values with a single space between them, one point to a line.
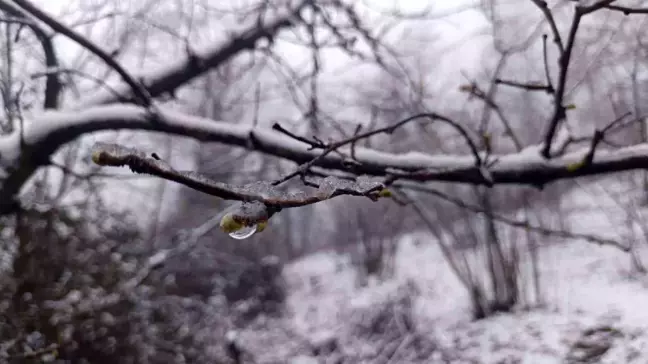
597 312
586 286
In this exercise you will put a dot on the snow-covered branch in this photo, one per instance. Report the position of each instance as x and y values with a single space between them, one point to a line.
24 152
24 160
51 130
265 192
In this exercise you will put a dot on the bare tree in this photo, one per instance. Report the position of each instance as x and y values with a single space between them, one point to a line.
336 163
510 168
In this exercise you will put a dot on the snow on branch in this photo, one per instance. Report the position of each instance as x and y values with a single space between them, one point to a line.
53 129
260 200
25 151
265 192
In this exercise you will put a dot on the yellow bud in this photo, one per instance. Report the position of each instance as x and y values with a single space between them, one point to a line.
262 226
575 166
385 193
229 225
570 107
97 157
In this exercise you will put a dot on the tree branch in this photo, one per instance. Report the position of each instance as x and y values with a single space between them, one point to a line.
544 7
528 86
164 80
167 79
523 224
626 10
44 136
46 133
141 93
332 147
53 84
265 192
564 61
400 187
545 59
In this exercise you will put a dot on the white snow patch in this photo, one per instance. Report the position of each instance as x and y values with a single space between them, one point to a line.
585 286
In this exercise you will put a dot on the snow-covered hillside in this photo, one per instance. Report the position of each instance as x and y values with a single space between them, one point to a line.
597 312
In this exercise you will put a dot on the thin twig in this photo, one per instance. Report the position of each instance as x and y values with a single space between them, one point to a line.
542 5
140 92
626 10
53 85
564 62
387 130
545 58
530 86
56 71
512 222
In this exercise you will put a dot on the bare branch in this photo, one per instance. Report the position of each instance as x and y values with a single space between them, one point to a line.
159 82
513 222
489 102
385 130
564 61
545 58
265 192
594 7
597 138
400 189
44 134
140 92
43 137
544 7
53 84
169 78
70 71
626 10
531 86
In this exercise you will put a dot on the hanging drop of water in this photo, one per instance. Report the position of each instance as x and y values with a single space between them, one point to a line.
244 233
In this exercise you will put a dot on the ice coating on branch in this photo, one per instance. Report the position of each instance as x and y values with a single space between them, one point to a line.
244 233
245 219
263 189
364 185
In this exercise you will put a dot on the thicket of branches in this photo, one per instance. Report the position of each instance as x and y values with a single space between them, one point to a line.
274 132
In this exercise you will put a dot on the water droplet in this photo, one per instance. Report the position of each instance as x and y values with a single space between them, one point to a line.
244 233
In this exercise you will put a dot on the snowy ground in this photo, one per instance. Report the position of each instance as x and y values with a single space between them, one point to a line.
587 287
